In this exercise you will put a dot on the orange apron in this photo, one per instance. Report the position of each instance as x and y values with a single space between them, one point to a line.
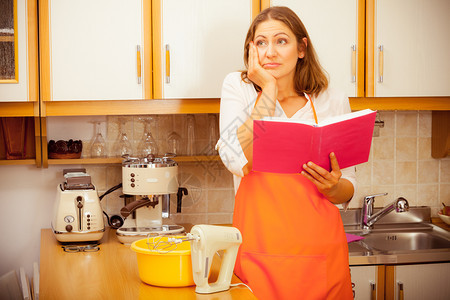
294 244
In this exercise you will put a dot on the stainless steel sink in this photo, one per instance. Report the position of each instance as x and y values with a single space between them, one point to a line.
405 241
399 242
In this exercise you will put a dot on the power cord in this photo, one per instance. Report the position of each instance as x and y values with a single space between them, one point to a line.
236 284
241 283
116 223
116 187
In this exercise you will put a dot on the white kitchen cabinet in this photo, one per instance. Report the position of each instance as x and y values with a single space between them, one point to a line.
333 30
90 49
423 281
364 281
415 40
196 44
24 36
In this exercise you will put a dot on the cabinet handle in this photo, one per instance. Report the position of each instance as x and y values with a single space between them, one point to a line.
353 63
138 62
167 63
400 290
373 291
380 63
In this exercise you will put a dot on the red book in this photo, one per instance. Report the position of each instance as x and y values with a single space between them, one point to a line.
283 145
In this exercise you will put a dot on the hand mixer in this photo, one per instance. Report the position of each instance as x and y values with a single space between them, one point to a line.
205 241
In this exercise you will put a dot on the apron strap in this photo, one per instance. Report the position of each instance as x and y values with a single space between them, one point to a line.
312 106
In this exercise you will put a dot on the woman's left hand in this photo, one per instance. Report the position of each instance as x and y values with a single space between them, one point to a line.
326 182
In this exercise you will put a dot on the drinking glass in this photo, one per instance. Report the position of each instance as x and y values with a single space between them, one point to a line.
148 144
190 135
98 145
174 140
174 143
213 134
122 145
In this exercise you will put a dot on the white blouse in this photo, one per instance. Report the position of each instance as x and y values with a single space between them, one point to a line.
236 105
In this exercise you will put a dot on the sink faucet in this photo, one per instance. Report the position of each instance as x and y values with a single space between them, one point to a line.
368 218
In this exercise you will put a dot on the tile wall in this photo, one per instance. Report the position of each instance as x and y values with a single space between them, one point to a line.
400 164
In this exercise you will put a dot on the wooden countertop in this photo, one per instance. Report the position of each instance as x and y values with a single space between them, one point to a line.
111 273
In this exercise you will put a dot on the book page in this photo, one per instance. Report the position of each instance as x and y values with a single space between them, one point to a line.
344 117
327 121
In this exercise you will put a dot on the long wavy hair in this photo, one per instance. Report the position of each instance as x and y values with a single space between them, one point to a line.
309 77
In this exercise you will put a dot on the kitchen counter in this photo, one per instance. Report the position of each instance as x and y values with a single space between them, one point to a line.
110 273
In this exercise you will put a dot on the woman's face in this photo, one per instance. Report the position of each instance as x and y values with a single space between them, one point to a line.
277 48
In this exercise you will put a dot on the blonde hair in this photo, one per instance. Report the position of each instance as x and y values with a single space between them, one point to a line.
309 77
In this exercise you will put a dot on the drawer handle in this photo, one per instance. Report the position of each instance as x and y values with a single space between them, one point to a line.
167 63
138 63
353 63
400 290
380 63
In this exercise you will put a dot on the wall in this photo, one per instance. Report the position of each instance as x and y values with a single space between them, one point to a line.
400 164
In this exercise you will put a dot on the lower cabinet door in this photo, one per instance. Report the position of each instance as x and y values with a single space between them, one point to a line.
423 281
364 280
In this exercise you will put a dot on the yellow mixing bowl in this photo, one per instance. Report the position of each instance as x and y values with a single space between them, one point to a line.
162 268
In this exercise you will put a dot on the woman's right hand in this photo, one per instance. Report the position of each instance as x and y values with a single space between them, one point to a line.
265 103
256 73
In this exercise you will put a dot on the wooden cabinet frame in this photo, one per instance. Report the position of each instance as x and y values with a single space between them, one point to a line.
29 108
40 104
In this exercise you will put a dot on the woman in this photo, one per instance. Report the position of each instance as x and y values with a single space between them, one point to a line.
294 245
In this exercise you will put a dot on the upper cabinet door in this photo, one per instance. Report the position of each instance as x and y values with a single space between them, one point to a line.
333 29
92 50
196 43
412 46
18 51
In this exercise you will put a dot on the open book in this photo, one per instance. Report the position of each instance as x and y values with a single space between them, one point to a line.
284 145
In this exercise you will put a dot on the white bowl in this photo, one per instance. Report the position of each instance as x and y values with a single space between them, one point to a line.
444 218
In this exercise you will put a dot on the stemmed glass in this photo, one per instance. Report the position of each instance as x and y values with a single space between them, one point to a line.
148 144
122 145
98 145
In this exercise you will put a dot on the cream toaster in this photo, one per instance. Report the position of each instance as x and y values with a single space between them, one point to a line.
78 215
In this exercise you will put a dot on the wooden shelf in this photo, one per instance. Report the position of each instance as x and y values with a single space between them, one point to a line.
6 162
400 103
197 158
19 109
85 161
118 160
130 107
212 105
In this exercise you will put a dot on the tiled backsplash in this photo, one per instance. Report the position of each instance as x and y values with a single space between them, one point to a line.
400 164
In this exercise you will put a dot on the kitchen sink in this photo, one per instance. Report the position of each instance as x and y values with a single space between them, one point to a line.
392 247
405 241
405 238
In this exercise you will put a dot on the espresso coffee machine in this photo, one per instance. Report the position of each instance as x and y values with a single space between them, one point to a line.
150 180
78 215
